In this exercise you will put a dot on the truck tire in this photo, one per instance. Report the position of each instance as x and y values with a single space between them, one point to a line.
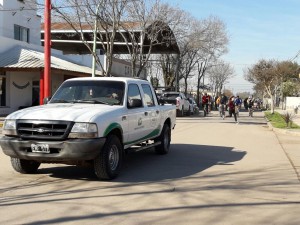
24 166
107 165
165 139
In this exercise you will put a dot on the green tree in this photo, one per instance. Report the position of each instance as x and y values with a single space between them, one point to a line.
269 75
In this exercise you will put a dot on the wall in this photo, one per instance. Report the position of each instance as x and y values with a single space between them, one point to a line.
56 81
122 68
20 96
25 18
292 102
85 60
19 89
8 43
1 18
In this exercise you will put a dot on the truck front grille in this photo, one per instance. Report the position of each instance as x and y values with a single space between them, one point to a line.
43 129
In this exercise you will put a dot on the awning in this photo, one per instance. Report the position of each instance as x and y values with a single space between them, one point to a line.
22 58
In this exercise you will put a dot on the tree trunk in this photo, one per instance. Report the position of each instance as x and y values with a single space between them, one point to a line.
272 104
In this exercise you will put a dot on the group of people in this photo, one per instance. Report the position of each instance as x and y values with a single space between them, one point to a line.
233 104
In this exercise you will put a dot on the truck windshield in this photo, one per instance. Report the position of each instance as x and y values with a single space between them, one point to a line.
92 92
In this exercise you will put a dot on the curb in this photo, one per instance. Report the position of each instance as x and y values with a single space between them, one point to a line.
283 131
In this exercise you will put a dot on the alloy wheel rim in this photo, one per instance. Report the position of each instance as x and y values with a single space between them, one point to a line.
113 157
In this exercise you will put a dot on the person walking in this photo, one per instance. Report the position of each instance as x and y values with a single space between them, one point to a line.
217 102
222 105
250 106
246 103
231 107
205 102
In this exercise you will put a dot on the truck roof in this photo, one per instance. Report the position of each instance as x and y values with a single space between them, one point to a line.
124 79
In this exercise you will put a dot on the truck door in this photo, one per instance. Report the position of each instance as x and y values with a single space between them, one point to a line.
151 109
136 115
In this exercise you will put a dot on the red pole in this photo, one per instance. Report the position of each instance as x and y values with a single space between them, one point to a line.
42 88
47 49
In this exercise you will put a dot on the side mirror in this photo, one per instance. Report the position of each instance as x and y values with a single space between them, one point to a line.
46 100
135 103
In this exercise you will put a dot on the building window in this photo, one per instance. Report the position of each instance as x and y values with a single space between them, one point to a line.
21 33
2 90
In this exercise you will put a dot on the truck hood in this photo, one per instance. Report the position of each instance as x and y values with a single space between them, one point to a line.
69 112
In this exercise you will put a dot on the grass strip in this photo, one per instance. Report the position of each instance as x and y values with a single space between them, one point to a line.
277 120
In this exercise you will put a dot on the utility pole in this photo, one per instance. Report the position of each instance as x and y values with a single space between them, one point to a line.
47 50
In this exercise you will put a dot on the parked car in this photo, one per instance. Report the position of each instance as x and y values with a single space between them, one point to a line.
195 108
183 106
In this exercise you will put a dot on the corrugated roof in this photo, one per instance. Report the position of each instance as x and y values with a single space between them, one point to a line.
86 26
20 57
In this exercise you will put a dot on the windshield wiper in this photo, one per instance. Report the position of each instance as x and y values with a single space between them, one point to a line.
90 101
59 101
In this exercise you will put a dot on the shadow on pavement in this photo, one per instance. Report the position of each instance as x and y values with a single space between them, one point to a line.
183 160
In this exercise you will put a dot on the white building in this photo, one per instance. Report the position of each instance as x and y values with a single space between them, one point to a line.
22 62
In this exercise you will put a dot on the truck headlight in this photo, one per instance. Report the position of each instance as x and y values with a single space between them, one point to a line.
9 127
84 130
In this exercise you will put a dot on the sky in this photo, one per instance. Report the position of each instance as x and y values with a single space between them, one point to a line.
257 29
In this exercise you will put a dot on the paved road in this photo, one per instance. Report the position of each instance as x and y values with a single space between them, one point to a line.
217 172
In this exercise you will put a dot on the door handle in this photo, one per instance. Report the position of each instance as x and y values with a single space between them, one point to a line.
157 112
146 113
124 118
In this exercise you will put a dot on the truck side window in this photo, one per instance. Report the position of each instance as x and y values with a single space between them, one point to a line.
148 96
133 93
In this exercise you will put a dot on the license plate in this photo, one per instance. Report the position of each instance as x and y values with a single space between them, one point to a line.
43 148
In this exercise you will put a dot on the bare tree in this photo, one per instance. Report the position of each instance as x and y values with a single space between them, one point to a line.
219 74
212 43
172 64
146 29
81 16
200 43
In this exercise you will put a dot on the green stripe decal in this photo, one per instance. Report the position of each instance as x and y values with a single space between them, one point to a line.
111 127
155 132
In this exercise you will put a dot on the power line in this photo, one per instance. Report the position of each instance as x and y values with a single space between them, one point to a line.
296 56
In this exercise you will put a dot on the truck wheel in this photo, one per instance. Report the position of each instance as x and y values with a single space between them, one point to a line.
107 164
24 166
165 139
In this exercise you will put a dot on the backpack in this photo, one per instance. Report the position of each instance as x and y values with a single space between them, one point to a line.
223 100
238 101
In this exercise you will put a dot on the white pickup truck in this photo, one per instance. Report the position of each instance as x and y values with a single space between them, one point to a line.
89 121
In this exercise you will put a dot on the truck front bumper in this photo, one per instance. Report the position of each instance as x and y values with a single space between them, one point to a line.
68 150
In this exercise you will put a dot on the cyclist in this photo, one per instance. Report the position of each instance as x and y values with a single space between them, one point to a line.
231 107
238 104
